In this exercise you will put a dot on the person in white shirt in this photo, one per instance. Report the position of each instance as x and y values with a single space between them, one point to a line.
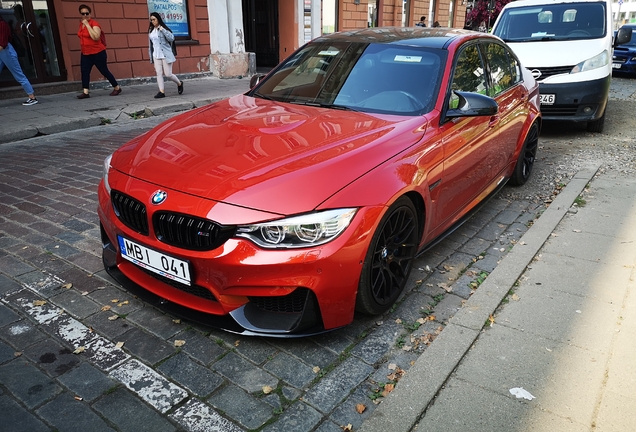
160 50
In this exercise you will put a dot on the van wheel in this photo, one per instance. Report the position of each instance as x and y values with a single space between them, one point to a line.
389 259
596 125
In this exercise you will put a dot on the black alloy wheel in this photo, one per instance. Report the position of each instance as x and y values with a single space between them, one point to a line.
526 159
389 259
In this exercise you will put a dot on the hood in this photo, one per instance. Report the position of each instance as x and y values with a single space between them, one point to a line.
265 155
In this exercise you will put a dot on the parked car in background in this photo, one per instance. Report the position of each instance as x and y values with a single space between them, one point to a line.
284 210
624 58
567 44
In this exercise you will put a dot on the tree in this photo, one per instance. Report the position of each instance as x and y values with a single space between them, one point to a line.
486 12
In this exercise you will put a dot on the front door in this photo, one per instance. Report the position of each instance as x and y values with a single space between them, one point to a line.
34 37
260 21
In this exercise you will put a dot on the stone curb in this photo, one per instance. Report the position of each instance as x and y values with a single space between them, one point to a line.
401 410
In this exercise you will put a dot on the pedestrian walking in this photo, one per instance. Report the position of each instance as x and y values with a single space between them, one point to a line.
422 22
9 58
93 49
161 41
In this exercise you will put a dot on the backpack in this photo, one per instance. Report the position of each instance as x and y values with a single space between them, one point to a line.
102 37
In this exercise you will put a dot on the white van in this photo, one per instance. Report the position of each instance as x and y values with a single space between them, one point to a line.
567 44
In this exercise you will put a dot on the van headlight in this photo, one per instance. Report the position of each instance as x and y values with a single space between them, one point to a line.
598 61
304 231
105 172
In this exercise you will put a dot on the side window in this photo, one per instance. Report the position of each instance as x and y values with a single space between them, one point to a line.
503 74
469 74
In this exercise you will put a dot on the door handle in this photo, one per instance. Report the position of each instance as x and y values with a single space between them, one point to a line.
493 121
29 31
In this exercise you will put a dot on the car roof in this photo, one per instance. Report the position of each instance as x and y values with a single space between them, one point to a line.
431 37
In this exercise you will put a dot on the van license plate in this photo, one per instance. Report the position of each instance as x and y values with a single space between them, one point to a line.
157 262
616 65
547 99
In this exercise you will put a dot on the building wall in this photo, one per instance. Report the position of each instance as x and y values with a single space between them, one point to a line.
288 28
125 23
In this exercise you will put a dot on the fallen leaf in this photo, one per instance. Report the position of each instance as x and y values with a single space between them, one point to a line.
39 302
398 321
179 343
267 389
237 342
17 354
106 308
176 321
114 301
79 350
67 286
392 366
379 323
447 267
576 230
407 348
119 345
113 317
84 293
491 319
347 428
316 369
515 297
388 388
361 408
420 321
431 317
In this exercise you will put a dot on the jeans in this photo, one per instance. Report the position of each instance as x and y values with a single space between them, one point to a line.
9 58
99 61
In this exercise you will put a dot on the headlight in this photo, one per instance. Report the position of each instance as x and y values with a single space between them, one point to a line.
105 173
595 62
299 231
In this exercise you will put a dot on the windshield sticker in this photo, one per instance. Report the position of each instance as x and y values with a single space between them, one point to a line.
329 53
408 59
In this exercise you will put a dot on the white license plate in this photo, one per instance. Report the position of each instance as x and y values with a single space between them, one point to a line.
547 99
616 65
156 262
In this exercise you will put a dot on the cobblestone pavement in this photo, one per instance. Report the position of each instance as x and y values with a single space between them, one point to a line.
78 352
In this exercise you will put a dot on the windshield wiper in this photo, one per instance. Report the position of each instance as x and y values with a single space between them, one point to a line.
262 96
324 105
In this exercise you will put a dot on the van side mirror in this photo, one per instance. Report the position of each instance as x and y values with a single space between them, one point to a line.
255 80
623 36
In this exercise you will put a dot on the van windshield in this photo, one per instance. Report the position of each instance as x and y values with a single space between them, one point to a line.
565 21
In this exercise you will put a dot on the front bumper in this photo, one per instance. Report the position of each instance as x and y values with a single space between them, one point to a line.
239 287
576 102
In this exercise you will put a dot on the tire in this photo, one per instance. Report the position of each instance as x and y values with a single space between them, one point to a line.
389 259
526 159
596 125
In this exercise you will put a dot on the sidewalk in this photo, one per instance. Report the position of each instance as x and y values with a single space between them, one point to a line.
64 112
564 332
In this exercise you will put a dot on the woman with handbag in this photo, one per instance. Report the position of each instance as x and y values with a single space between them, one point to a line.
93 48
161 53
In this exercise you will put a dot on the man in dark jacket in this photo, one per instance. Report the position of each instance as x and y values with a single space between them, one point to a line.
9 58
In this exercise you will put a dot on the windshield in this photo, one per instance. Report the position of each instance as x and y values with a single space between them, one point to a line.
379 78
565 21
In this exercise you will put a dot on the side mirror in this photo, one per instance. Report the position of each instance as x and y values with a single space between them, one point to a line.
255 80
473 105
623 35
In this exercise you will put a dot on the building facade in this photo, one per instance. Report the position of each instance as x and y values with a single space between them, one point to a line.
227 38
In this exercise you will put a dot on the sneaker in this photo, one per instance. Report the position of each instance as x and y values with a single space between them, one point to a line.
160 95
180 87
83 96
30 101
115 92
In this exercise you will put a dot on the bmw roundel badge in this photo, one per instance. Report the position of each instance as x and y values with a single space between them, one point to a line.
159 197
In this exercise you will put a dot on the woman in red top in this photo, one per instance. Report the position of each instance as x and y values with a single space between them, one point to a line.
93 52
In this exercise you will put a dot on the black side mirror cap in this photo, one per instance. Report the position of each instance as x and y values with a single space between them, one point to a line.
256 79
473 105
